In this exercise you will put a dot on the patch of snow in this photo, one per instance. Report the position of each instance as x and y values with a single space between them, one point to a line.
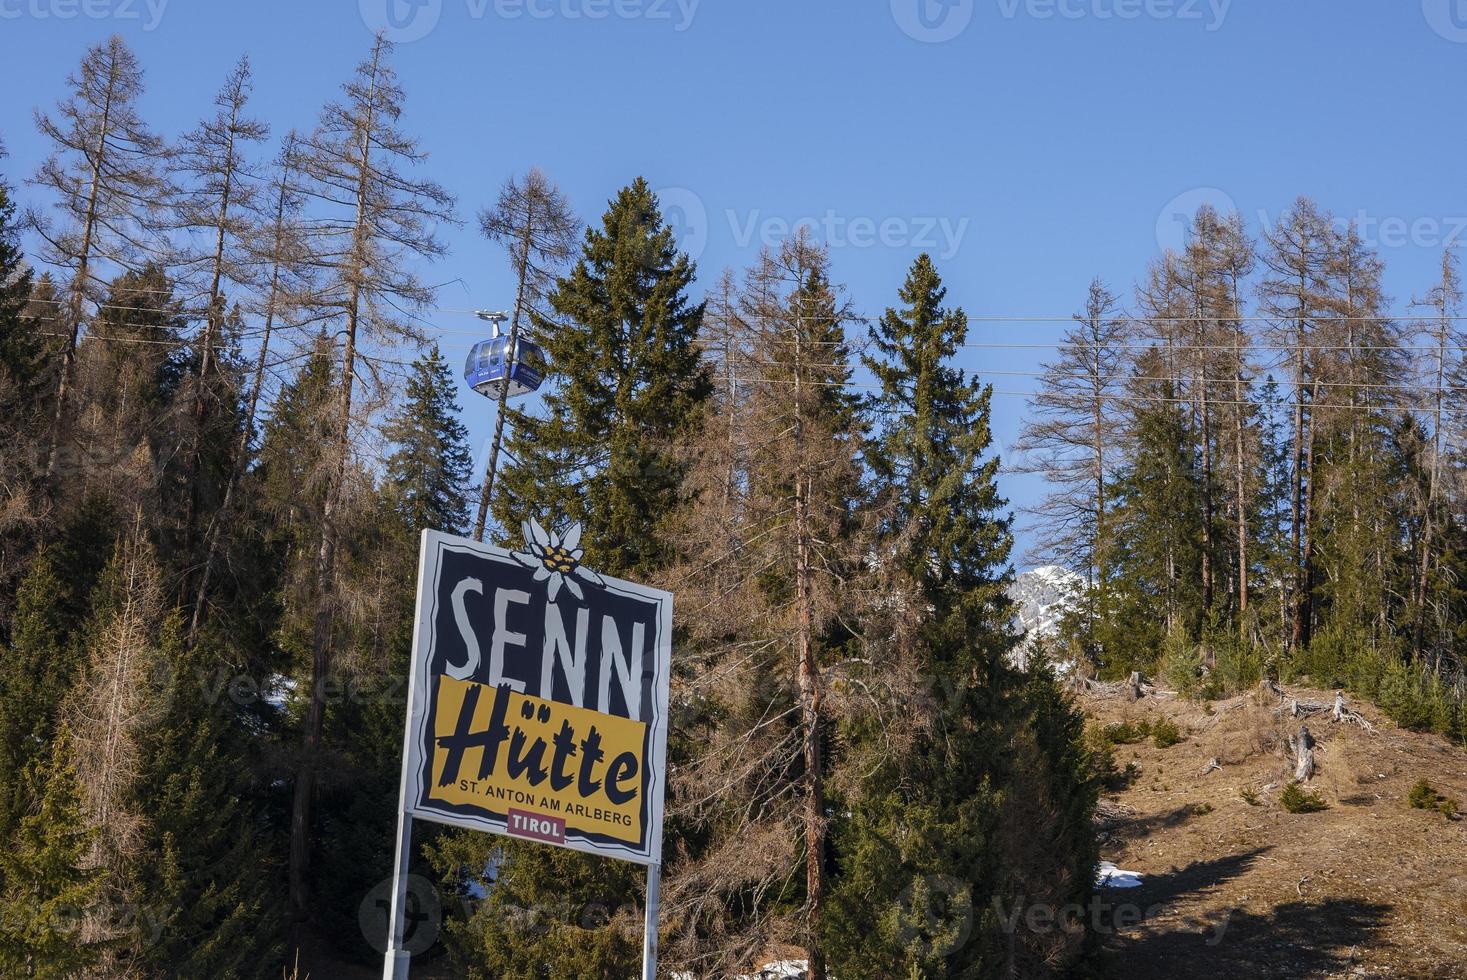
1110 876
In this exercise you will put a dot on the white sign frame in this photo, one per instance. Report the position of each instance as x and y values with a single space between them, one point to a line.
433 546
415 736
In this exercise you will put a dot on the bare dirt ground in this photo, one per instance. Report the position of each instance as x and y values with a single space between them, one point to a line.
1235 889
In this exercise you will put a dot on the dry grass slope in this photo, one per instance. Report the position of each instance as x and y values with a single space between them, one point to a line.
1238 887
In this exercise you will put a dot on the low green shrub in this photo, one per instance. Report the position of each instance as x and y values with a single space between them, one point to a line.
1126 733
1423 796
1165 734
1296 800
1181 662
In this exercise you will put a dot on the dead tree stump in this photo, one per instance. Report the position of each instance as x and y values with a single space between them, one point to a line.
1303 755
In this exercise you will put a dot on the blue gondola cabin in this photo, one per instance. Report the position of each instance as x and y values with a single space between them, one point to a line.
490 363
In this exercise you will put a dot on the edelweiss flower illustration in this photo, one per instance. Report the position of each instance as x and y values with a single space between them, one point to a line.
556 558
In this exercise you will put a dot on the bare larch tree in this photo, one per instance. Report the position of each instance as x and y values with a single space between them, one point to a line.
371 219
218 212
278 253
534 223
1070 435
105 171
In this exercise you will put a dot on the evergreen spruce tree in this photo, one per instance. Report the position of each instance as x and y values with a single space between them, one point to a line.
1158 585
213 877
40 659
1273 511
44 887
945 515
626 379
19 351
429 469
981 796
35 673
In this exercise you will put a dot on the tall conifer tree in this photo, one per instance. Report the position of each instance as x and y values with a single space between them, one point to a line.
428 471
43 884
626 380
934 833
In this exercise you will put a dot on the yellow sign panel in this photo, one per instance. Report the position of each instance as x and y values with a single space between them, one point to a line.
499 750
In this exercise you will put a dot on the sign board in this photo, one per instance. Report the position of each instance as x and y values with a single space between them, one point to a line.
537 704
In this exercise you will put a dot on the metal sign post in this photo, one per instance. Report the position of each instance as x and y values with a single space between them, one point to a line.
396 967
537 709
649 929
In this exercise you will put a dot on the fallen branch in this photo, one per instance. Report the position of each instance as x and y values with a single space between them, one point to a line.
1304 709
1134 687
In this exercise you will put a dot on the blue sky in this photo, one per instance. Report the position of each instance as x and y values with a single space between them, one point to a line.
1028 144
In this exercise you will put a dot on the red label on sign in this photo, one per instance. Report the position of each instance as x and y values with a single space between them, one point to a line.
536 826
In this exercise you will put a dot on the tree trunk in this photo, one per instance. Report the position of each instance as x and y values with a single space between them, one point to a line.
241 452
1434 475
79 286
305 784
213 328
487 491
1303 755
809 680
1296 495
1240 468
1206 434
1304 614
